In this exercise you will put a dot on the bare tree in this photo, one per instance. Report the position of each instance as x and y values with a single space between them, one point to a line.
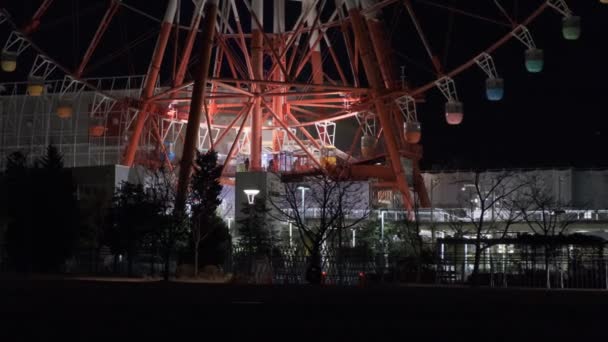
492 210
336 205
546 216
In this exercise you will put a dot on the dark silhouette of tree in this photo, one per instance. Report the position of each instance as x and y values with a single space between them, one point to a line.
215 243
52 160
131 217
254 235
546 217
44 212
339 204
169 228
17 201
204 199
490 209
93 221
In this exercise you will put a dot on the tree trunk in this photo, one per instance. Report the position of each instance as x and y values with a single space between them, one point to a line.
197 242
313 273
152 255
167 263
115 263
196 245
547 271
130 264
419 259
476 261
340 259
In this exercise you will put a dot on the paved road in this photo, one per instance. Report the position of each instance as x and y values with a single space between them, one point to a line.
46 309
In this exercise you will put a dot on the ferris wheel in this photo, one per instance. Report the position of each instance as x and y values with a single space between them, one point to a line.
266 84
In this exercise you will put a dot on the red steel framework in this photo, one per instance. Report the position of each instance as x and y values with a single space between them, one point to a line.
274 79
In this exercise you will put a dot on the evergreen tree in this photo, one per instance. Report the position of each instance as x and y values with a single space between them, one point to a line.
131 218
215 246
43 226
16 200
255 237
52 160
204 199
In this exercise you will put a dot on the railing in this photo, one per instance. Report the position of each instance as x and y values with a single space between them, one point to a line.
523 266
439 215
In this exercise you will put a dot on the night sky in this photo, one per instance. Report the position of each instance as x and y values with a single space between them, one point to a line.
555 118
552 119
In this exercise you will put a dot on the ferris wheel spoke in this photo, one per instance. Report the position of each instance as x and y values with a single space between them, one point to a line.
123 50
434 58
505 13
34 22
464 13
101 29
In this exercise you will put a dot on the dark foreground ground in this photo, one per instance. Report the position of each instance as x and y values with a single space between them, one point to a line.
51 309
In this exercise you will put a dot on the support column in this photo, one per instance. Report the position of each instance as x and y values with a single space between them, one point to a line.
187 50
370 64
150 82
198 94
382 49
257 62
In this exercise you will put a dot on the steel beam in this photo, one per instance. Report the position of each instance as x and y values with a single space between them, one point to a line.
370 65
150 83
198 94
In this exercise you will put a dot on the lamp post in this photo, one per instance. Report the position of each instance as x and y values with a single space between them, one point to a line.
229 220
303 189
384 254
251 193
464 259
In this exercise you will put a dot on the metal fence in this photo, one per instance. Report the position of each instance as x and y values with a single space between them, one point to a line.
288 266
506 265
521 265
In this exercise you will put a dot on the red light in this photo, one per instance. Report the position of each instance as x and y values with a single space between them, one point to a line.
361 275
324 274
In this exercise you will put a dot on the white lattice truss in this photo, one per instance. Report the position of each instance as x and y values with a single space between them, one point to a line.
102 105
486 63
407 106
287 143
326 131
447 86
560 6
244 143
524 36
42 68
3 17
367 121
70 88
204 135
15 44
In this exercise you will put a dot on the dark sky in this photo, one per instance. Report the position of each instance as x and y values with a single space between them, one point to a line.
555 118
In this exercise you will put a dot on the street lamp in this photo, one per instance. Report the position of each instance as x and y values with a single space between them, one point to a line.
303 189
384 253
229 219
251 193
